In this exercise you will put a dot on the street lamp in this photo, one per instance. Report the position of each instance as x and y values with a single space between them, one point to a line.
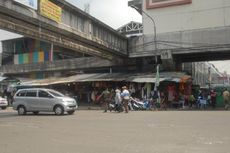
155 43
209 78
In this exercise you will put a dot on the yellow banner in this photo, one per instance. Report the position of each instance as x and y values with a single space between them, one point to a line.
50 10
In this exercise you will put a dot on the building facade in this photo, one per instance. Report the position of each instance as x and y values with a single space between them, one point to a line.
184 15
189 32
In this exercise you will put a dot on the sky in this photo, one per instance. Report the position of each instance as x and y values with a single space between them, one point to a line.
4 35
222 66
114 13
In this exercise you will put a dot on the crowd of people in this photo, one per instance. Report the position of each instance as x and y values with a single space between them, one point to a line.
123 100
205 99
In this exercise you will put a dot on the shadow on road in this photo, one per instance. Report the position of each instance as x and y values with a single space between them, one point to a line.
15 114
8 115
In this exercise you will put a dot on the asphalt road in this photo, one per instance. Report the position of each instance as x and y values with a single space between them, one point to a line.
91 131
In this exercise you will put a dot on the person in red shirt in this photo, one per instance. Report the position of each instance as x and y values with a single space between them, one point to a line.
213 98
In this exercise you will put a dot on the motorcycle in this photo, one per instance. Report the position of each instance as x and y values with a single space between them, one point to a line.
115 107
140 105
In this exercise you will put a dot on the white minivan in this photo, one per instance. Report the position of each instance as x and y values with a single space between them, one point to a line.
43 100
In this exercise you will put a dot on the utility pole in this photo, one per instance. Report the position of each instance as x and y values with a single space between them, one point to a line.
157 82
209 78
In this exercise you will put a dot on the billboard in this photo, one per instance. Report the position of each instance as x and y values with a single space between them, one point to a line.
29 3
50 10
153 4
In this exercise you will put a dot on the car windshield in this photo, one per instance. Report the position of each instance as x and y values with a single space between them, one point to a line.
56 93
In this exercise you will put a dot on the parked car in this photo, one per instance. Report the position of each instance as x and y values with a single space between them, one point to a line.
43 100
3 103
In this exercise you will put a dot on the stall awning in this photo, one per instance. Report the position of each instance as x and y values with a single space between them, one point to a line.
2 78
146 80
96 77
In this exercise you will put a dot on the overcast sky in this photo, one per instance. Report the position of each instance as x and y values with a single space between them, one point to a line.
115 13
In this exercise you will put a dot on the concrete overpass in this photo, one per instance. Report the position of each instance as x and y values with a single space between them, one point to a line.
76 30
187 31
184 46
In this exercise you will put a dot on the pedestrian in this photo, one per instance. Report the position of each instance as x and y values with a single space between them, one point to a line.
226 98
213 98
154 97
106 97
163 101
118 100
191 100
125 98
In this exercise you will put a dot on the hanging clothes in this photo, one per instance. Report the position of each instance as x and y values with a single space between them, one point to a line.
171 93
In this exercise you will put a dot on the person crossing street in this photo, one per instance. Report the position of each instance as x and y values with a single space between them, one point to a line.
125 96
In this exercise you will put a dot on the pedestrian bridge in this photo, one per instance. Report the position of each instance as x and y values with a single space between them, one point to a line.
62 24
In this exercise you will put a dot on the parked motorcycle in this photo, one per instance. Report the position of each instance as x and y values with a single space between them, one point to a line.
115 107
140 105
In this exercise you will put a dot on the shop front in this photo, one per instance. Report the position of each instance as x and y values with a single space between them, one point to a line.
85 88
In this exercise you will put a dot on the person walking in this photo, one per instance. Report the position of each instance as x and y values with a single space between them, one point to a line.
226 98
191 100
163 104
154 97
106 97
125 97
118 100
213 98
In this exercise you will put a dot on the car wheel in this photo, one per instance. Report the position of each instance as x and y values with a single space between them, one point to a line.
3 108
58 110
71 112
36 112
21 110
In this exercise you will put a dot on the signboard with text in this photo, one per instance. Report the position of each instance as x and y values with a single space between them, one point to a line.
153 4
50 10
29 3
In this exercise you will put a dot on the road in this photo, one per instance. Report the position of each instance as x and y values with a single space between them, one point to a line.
91 131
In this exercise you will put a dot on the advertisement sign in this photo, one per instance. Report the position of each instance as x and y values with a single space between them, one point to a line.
29 3
153 4
50 10
167 54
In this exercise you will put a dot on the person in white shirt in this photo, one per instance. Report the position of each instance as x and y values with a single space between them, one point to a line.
125 96
118 100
